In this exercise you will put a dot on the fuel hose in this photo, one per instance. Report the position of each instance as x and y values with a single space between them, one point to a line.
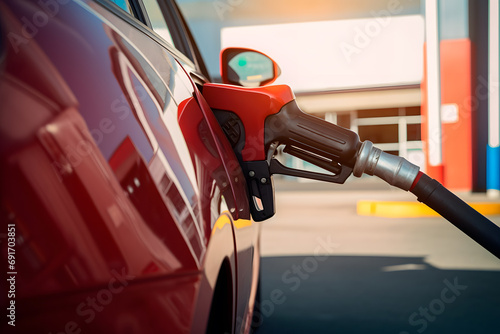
452 208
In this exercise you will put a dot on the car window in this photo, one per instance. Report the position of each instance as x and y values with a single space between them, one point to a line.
123 4
157 20
164 18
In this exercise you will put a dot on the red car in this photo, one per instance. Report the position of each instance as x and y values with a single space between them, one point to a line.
124 208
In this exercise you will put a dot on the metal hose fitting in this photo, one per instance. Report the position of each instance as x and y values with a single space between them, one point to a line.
395 170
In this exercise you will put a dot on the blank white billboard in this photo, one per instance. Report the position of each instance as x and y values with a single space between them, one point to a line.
345 54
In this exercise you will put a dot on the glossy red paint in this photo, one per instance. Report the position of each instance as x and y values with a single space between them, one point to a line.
126 199
252 105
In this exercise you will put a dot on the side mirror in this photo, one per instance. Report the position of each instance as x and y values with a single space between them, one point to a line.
247 67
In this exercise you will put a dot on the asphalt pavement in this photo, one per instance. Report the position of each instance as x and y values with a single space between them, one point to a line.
326 269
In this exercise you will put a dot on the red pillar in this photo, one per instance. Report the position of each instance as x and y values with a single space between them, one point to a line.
456 93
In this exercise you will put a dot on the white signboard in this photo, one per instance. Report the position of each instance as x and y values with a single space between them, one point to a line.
327 55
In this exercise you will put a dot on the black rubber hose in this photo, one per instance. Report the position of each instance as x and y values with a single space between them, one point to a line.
457 212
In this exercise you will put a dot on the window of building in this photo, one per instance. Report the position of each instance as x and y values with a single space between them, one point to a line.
394 130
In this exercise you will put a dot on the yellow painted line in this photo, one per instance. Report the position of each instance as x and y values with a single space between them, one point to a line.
241 223
397 209
222 221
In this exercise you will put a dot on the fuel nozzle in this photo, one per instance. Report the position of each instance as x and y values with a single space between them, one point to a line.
256 121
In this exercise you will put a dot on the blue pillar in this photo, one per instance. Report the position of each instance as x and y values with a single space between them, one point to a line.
493 169
493 150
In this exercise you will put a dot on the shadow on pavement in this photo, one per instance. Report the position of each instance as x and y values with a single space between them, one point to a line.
358 294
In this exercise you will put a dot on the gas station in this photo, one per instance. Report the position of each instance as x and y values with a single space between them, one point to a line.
145 142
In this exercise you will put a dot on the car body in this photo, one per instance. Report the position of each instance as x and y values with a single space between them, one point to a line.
128 207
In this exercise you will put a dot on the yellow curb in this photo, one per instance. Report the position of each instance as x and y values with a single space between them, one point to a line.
414 209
